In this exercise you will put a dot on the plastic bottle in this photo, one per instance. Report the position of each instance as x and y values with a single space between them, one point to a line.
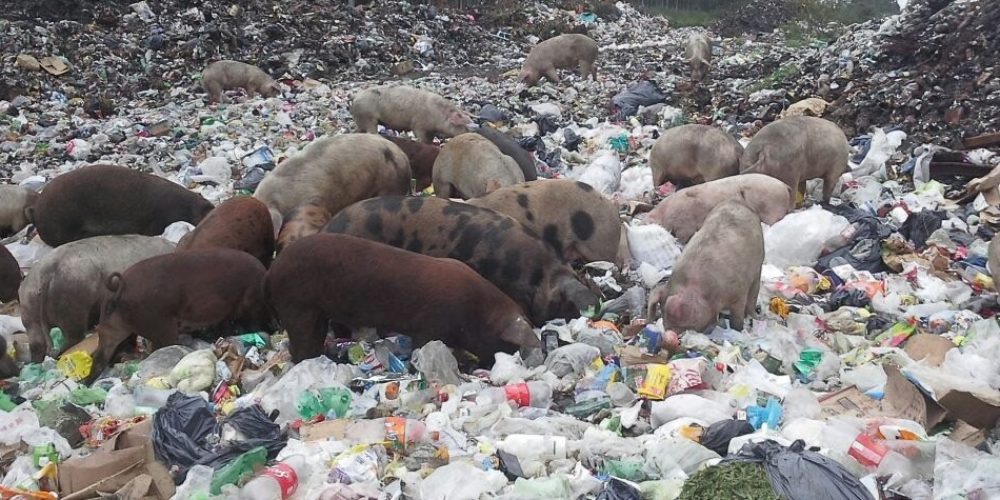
534 393
332 402
278 481
398 431
769 415
241 467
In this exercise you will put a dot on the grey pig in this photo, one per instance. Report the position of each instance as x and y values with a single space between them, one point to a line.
14 202
797 149
402 108
718 270
66 286
684 212
334 172
692 154
225 75
698 54
563 51
470 166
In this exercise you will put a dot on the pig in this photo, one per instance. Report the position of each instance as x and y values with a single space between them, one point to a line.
692 154
684 212
496 246
575 221
797 149
242 223
470 166
718 270
698 54
225 75
105 199
10 275
563 51
304 220
8 368
404 108
334 172
525 160
391 289
65 287
421 156
188 291
14 204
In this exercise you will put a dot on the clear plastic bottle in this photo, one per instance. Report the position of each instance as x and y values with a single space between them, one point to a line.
535 393
278 481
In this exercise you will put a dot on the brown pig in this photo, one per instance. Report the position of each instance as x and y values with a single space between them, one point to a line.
470 166
14 204
10 275
797 149
163 296
692 154
391 289
305 220
571 217
496 246
225 75
718 270
684 212
421 156
242 223
105 199
65 287
698 54
334 172
404 108
564 51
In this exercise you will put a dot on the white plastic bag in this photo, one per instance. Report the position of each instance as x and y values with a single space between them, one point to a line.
688 405
603 174
800 237
961 471
460 481
195 372
652 244
283 393
572 358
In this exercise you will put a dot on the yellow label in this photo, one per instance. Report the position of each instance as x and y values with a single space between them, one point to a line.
654 384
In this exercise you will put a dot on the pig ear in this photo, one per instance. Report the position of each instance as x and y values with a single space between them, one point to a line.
458 117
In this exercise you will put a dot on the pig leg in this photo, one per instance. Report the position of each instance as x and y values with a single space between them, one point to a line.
366 124
424 136
829 182
306 332
587 69
751 307
444 190
552 74
74 328
736 313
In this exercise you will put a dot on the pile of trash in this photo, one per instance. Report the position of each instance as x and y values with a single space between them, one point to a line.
870 368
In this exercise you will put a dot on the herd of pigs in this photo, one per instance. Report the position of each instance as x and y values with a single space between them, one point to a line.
332 237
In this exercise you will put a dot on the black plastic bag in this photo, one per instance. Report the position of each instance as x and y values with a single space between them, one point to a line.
546 125
571 140
643 93
797 473
718 435
919 226
616 489
491 113
185 433
864 253
529 143
844 297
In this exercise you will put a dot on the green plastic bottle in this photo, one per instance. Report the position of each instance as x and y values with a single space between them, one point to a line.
239 469
326 401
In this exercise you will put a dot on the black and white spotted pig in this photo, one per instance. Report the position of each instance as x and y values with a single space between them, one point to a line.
496 246
571 217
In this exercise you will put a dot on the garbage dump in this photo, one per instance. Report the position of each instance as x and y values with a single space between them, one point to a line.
181 317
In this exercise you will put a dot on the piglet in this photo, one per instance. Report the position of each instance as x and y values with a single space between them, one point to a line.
225 75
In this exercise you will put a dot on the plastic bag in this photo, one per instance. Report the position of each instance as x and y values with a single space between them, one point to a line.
283 395
161 361
185 433
436 363
572 358
675 458
652 244
961 471
460 481
619 489
799 238
642 93
718 435
688 405
120 403
603 174
194 372
508 368
800 403
796 473
196 485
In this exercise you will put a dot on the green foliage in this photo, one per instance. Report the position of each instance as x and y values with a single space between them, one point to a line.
779 75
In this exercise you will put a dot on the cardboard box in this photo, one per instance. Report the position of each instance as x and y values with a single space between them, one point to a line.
115 465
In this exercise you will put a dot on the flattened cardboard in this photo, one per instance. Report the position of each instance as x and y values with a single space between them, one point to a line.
114 465
904 400
928 346
849 402
967 434
966 406
321 431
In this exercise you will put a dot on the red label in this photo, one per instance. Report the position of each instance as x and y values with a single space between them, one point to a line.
518 393
286 477
867 451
